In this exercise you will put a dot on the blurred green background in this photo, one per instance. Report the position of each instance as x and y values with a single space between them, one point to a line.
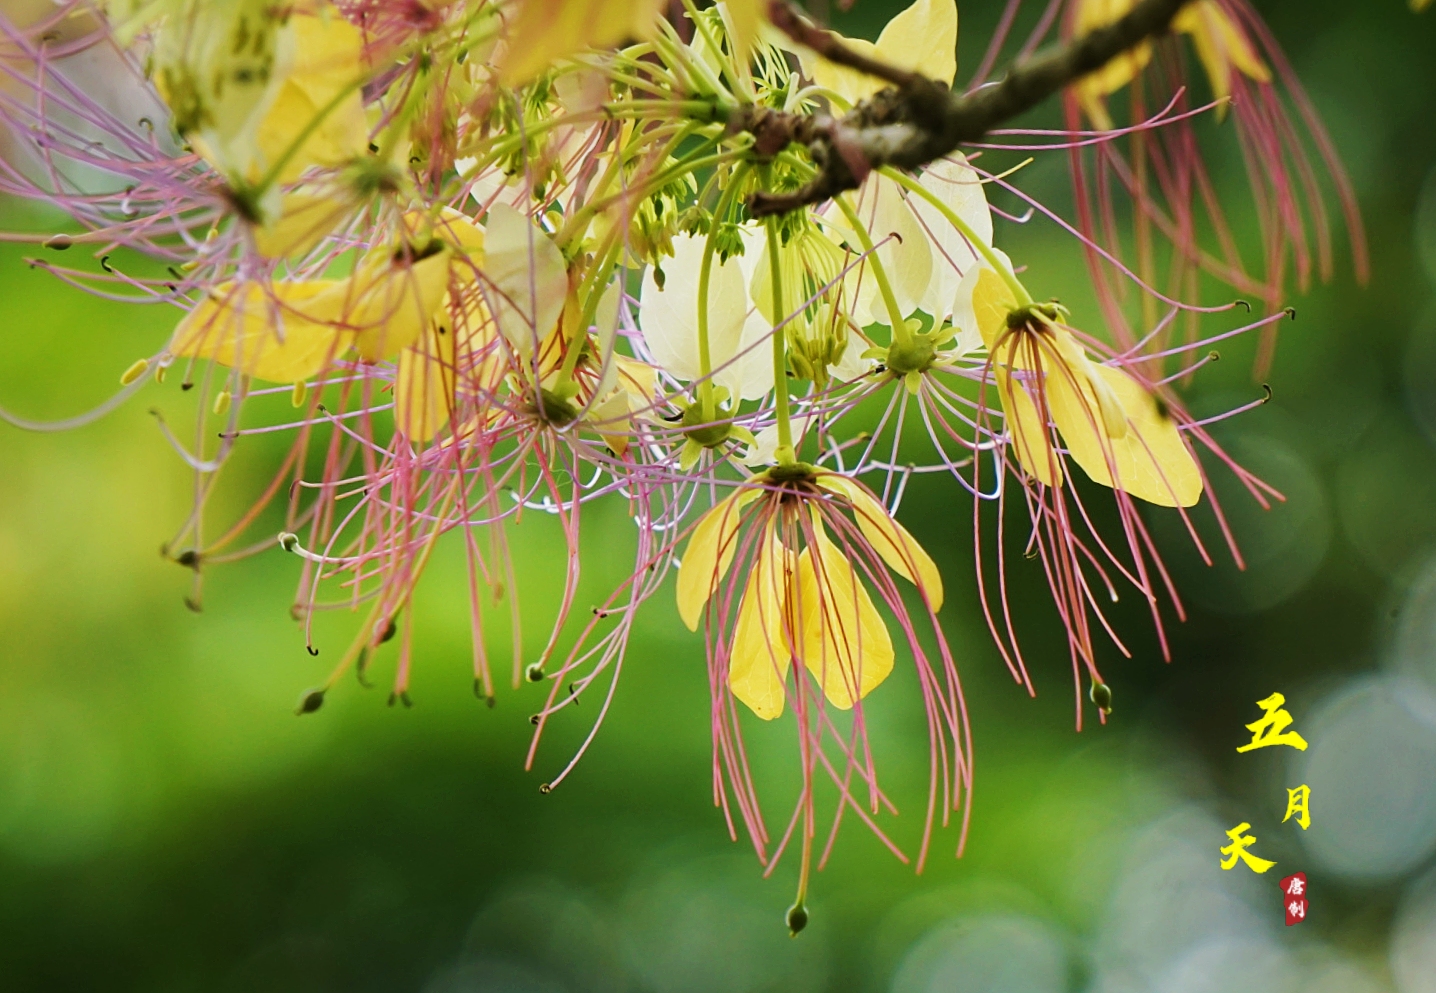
167 823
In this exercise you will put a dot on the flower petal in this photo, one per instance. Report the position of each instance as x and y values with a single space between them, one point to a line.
761 654
957 185
982 303
898 548
1150 461
843 640
548 30
1030 438
283 333
527 276
390 304
668 318
710 552
923 38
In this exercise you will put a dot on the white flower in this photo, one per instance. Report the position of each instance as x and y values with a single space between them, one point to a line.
668 318
528 281
920 251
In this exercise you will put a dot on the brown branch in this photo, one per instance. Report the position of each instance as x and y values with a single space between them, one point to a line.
919 120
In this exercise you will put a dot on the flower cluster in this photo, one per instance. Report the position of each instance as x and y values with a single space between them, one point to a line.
477 263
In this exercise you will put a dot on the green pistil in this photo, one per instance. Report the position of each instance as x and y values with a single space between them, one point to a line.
915 355
792 472
1033 314
706 429
556 409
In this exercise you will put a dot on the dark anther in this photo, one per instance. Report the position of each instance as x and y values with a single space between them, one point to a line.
535 673
534 719
389 631
1290 312
545 789
1102 696
105 264
194 605
1243 305
188 558
58 243
310 702
186 386
312 650
797 918
401 697
1266 388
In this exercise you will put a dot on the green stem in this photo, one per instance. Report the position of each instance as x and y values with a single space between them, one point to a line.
680 57
983 248
702 25
585 213
786 453
901 334
589 293
705 353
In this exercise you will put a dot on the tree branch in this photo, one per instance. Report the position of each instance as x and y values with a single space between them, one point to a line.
918 120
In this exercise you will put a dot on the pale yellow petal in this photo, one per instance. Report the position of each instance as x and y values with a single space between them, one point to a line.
904 249
1030 439
389 304
746 18
891 540
427 376
1221 46
527 278
282 333
710 552
317 118
761 652
987 305
1150 461
849 84
1093 88
305 218
843 640
548 30
923 38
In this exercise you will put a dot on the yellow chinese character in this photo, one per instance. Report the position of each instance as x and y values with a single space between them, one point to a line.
1272 729
1298 802
1238 850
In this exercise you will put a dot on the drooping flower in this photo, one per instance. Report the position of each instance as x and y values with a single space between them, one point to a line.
782 569
1222 47
1121 435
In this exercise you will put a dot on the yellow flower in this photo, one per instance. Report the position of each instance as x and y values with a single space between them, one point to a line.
282 332
426 378
922 38
1119 433
288 331
1221 47
806 605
